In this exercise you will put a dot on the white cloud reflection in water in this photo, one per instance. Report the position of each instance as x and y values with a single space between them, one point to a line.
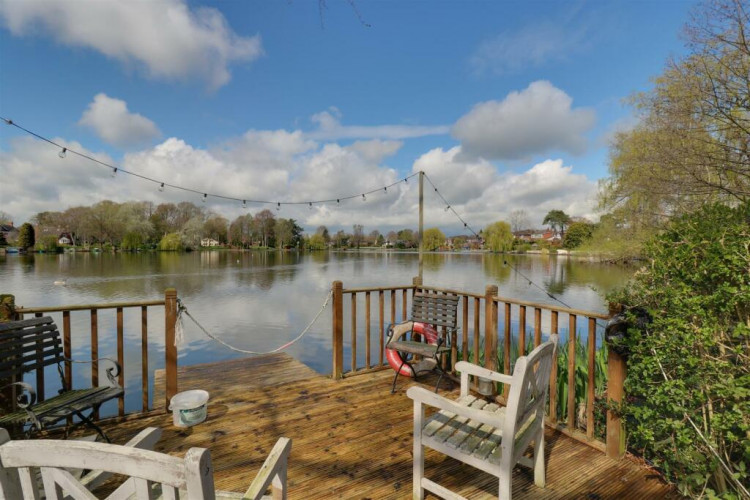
259 301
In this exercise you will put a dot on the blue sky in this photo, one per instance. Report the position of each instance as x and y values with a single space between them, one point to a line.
506 106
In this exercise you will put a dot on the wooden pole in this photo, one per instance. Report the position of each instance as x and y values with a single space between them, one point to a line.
338 330
616 372
490 330
170 349
421 223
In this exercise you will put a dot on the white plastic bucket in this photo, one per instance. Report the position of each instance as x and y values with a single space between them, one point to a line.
188 407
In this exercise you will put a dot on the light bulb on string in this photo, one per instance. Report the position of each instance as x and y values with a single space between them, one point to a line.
447 207
385 189
310 205
338 201
114 172
406 180
364 198
205 195
278 207
244 204
62 152
161 188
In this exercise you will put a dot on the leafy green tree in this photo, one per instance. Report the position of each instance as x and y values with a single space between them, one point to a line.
172 242
578 233
689 369
215 227
557 220
323 231
690 145
433 239
264 223
499 237
358 235
26 236
131 242
316 242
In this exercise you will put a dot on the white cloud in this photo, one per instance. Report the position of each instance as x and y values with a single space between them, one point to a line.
535 120
284 166
167 39
330 128
111 120
531 46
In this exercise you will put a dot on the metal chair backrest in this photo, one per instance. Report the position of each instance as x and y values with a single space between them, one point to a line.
435 309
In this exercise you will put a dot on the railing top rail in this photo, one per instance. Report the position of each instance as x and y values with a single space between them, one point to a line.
86 307
377 289
566 310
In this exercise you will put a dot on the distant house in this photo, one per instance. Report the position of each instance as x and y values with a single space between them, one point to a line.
9 231
209 242
532 235
65 239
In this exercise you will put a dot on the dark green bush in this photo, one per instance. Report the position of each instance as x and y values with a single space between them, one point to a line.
692 365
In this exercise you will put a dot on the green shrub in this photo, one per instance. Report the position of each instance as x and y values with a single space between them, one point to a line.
47 244
690 367
171 243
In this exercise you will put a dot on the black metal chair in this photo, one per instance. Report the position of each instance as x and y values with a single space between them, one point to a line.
429 311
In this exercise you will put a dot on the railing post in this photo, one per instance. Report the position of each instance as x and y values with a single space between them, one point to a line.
170 349
490 330
616 372
338 330
7 313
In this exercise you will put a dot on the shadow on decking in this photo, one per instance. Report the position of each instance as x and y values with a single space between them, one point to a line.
353 439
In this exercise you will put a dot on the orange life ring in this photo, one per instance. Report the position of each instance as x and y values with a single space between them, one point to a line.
394 357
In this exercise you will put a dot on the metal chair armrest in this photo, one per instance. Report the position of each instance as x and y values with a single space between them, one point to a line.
111 376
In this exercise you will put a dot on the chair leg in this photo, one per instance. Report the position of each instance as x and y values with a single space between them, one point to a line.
86 420
504 492
539 473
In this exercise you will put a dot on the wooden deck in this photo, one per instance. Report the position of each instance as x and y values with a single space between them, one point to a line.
353 439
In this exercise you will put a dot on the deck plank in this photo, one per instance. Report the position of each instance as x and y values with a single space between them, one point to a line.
353 439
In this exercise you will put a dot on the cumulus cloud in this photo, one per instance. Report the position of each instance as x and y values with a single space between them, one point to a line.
536 120
167 39
283 166
329 127
110 119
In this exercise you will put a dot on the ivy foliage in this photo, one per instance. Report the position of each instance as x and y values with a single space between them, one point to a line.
692 365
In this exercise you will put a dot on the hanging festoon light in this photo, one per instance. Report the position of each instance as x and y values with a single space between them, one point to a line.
364 198
161 187
310 205
62 152
385 189
244 203
114 172
447 207
205 195
278 206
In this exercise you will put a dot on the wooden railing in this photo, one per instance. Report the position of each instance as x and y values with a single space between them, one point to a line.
479 331
170 313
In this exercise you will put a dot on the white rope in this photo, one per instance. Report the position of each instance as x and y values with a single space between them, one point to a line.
182 309
729 471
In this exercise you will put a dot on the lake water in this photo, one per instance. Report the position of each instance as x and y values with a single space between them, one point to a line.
261 300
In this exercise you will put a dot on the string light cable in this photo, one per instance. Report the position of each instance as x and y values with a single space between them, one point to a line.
449 207
114 170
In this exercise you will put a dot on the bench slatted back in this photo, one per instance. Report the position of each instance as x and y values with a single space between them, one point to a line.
28 345
435 309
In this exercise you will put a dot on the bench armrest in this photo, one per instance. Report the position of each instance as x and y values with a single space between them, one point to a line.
398 330
110 376
472 369
22 400
145 440
273 471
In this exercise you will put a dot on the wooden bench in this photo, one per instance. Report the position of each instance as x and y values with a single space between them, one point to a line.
432 309
28 346
147 474
484 435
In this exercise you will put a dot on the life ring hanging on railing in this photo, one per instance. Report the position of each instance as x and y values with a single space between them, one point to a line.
394 357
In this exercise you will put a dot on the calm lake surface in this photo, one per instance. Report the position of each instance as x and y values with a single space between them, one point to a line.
261 300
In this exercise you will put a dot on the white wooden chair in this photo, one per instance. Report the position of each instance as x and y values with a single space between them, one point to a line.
486 436
150 474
